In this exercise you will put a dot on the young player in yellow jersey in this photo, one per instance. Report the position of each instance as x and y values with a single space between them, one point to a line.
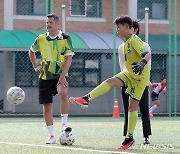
144 102
135 77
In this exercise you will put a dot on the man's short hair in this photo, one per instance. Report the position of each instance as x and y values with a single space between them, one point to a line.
55 16
125 19
136 25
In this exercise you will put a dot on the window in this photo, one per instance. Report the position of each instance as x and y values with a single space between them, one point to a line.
85 70
87 8
25 76
157 9
158 67
31 7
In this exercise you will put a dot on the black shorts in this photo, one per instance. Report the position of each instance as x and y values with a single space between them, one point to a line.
154 96
47 89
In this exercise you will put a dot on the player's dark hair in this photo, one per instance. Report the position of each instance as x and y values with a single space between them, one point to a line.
163 78
52 15
135 25
123 20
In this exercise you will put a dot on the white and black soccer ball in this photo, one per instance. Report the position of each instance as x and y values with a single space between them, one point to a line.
15 95
66 138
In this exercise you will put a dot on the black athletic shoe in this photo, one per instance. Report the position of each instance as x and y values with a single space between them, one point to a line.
146 141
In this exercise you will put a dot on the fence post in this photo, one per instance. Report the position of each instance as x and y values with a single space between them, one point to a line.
63 7
8 15
170 58
52 6
175 58
146 20
47 7
114 47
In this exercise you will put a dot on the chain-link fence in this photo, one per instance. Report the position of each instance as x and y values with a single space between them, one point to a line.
90 25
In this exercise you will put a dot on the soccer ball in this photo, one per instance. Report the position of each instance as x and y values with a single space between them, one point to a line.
66 138
15 95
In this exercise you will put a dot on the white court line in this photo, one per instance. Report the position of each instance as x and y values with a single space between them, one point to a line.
65 148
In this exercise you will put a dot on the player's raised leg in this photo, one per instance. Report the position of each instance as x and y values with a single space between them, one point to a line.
103 88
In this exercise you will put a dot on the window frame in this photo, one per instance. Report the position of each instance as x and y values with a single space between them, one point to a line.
85 15
83 70
157 71
32 9
77 15
150 2
24 65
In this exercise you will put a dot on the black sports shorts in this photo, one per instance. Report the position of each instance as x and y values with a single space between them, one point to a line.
47 89
154 96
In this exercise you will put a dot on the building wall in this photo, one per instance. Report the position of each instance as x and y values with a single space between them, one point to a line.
155 29
85 26
1 14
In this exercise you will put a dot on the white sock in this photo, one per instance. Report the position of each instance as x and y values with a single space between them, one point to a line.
51 130
154 107
64 118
